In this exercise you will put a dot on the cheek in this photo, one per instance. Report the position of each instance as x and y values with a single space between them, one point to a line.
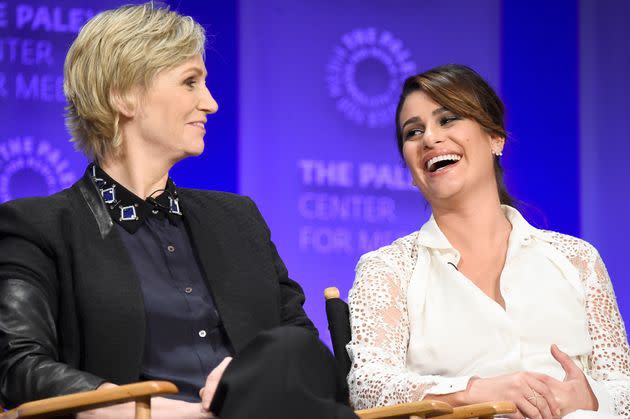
410 154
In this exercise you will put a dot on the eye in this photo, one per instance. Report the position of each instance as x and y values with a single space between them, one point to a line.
190 82
413 133
448 119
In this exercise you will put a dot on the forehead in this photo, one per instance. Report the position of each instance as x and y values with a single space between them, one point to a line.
192 66
418 104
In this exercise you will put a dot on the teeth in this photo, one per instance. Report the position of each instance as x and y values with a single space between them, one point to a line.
443 157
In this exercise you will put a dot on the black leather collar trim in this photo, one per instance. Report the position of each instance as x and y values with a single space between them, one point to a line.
94 201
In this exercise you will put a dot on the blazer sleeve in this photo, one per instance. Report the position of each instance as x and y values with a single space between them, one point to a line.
30 364
291 293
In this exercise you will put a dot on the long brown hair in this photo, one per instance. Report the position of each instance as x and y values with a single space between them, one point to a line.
461 90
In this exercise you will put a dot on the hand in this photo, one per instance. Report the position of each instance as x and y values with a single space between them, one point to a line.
574 392
532 397
207 392
161 408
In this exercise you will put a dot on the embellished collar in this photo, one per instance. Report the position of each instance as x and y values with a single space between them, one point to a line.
129 210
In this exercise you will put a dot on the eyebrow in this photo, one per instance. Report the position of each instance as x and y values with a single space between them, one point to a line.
415 119
195 69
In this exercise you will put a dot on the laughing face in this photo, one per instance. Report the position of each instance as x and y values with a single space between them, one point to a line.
450 157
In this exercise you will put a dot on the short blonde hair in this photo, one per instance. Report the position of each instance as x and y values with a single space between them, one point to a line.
116 51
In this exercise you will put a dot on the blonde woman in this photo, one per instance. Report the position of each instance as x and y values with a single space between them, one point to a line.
126 277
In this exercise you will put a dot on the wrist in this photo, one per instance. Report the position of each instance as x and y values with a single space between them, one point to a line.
466 396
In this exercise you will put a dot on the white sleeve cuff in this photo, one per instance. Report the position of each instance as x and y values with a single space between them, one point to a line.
606 404
448 385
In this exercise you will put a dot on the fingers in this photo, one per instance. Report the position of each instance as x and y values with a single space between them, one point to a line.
207 392
543 398
527 409
571 370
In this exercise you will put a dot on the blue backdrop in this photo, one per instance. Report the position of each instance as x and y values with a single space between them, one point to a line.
306 93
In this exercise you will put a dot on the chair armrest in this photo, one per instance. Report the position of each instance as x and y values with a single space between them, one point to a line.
481 410
424 408
89 400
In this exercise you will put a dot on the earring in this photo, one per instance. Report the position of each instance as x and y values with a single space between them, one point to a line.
497 153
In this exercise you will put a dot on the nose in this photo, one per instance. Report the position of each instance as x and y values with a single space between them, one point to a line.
207 103
431 137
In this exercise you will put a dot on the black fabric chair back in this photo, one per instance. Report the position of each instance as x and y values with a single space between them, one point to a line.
339 326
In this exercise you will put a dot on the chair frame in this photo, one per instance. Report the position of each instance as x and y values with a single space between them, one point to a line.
140 393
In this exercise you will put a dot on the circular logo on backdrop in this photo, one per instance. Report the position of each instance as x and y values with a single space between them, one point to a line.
365 75
32 168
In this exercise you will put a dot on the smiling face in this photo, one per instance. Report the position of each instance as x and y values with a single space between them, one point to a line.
169 119
450 157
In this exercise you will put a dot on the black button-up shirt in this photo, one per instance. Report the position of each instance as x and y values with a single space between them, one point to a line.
184 339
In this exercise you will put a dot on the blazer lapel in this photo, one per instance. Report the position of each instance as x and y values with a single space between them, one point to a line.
109 290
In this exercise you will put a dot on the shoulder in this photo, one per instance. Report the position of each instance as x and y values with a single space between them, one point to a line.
37 210
400 255
385 271
39 220
570 246
222 206
222 200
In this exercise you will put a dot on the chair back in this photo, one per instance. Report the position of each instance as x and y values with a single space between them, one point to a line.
338 317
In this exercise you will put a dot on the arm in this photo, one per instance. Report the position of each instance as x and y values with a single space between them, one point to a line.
161 408
380 335
291 293
30 366
609 363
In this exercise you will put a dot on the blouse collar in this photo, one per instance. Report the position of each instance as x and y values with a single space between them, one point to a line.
522 232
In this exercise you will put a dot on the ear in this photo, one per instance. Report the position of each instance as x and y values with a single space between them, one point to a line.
496 145
124 103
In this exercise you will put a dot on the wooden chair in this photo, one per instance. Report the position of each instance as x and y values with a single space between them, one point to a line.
140 393
339 326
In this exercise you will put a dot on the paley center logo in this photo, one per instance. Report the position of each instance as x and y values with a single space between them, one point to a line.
32 168
365 74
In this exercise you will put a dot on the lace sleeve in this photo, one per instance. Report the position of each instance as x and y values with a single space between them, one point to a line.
380 332
609 363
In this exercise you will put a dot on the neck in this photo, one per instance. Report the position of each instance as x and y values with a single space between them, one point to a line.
474 224
140 176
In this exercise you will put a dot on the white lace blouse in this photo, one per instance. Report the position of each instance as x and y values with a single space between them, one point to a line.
419 326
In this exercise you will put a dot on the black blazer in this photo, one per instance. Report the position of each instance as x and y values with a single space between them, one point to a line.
71 309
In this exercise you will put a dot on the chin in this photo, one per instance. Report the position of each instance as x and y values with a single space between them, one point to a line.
195 149
443 192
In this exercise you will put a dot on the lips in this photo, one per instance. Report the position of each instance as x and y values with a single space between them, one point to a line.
200 124
438 162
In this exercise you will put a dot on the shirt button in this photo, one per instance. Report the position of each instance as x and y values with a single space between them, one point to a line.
188 290
170 248
202 333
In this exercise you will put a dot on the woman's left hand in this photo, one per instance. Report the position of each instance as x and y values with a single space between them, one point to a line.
574 392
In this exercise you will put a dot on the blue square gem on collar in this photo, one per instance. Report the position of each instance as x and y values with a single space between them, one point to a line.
109 195
174 206
128 213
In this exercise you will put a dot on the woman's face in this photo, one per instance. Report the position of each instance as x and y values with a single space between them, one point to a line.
449 156
170 117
